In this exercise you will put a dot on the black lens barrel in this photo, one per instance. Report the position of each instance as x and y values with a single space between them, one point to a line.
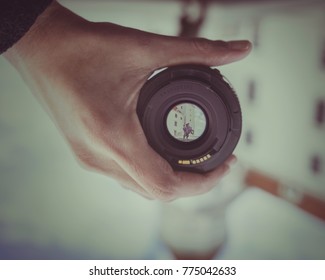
205 88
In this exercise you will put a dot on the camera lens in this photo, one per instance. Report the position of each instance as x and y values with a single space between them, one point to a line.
190 116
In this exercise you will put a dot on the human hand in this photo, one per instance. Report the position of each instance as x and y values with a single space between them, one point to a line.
88 77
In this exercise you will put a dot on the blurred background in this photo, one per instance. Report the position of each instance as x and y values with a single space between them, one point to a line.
270 207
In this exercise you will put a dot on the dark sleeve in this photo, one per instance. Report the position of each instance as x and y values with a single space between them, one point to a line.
16 17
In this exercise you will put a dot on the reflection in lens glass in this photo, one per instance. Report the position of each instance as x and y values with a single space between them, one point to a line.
186 122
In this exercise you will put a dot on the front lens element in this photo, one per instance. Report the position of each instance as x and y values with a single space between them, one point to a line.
186 122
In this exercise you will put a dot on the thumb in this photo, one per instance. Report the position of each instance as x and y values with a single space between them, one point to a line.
176 50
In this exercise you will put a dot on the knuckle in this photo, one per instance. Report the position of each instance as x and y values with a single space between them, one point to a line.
221 44
163 191
164 196
137 170
159 187
202 45
86 161
84 156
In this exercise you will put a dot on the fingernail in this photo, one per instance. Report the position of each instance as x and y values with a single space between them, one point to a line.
239 45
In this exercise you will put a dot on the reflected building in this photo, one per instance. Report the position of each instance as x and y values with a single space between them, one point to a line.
178 117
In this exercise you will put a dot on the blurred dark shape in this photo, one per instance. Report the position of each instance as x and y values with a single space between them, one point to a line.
320 113
316 164
249 137
251 91
193 17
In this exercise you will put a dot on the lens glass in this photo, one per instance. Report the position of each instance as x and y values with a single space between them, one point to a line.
186 122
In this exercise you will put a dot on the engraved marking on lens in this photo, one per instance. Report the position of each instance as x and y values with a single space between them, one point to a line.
186 122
